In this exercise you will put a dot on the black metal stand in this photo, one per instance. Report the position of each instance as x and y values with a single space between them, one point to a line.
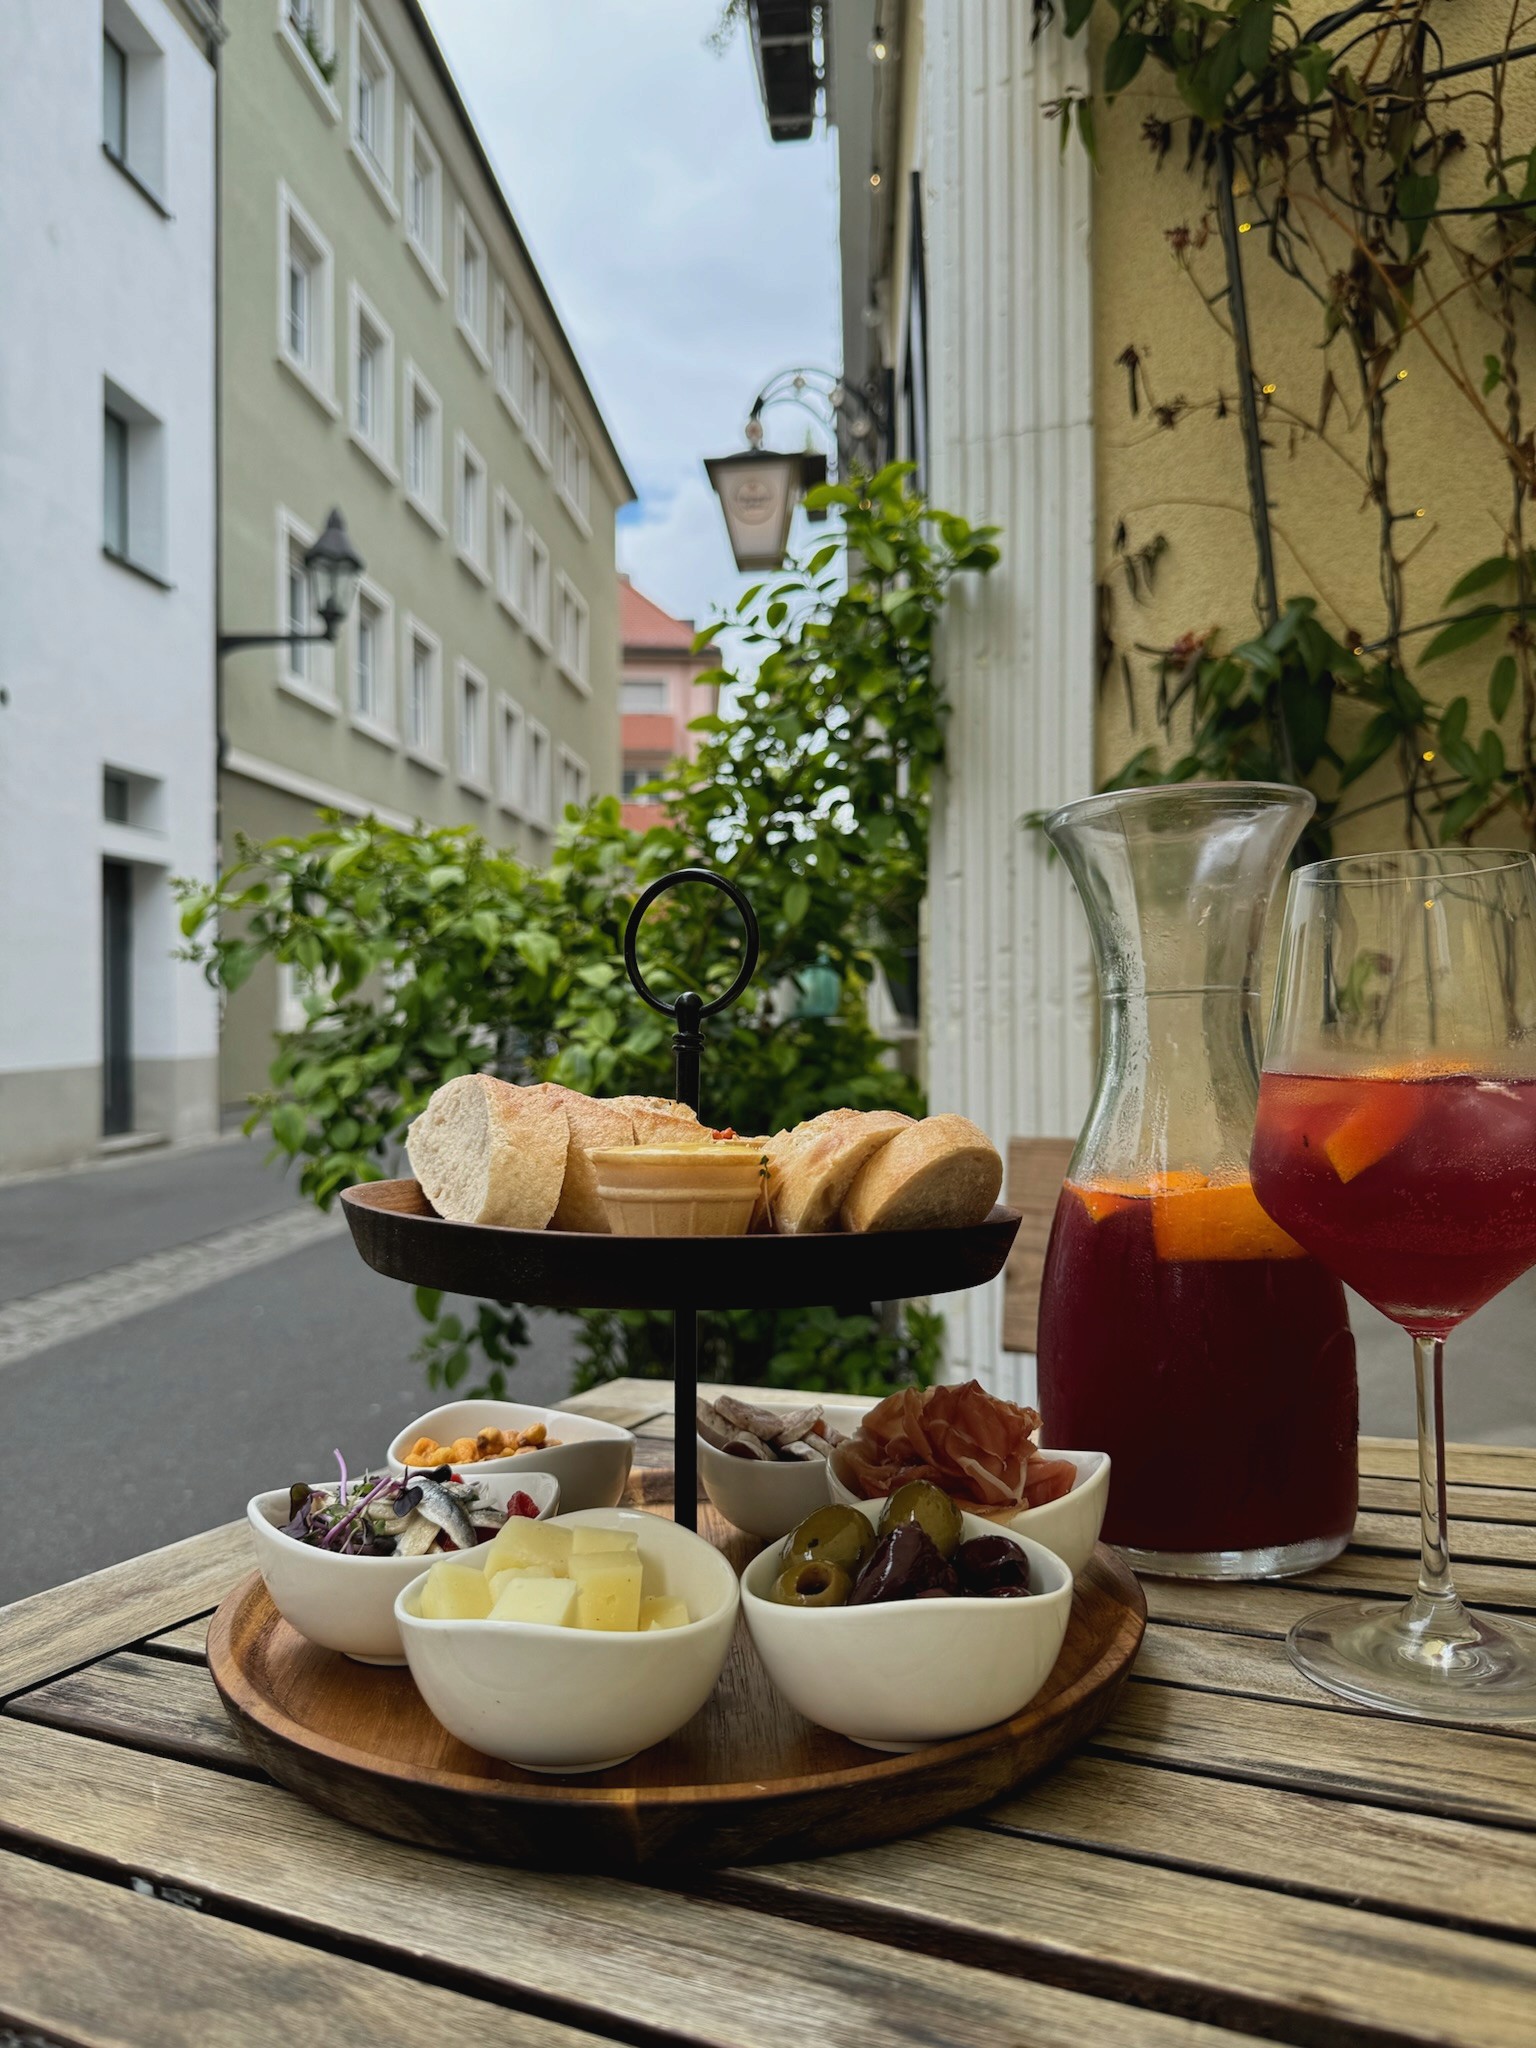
688 1012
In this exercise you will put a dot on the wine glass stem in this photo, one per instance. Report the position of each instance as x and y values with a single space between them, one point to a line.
1436 1605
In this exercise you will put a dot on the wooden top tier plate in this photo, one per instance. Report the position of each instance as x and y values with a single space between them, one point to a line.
746 1779
400 1235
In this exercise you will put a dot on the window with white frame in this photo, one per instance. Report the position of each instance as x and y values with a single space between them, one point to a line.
373 377
133 98
469 504
643 693
373 105
422 720
133 512
423 198
572 631
307 29
304 309
469 289
536 588
423 446
511 755
572 466
536 403
473 699
575 781
373 668
540 799
509 553
307 667
509 351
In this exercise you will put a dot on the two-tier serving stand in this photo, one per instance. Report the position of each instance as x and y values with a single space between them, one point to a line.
747 1777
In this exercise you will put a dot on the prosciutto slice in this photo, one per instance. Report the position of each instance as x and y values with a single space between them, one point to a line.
978 1448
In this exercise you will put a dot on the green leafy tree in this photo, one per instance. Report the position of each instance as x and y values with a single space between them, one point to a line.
427 954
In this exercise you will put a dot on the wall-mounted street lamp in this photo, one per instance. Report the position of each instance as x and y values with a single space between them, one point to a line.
332 567
758 488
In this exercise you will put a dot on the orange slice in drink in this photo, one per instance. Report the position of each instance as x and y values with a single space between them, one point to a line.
1217 1223
1372 1128
1103 1198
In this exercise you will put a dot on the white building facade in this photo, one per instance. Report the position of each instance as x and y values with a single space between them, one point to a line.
108 538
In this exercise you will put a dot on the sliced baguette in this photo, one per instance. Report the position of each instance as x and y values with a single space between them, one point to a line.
594 1124
940 1174
486 1152
812 1172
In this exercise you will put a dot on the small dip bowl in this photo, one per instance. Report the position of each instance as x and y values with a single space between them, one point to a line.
571 1699
1069 1525
705 1190
591 1459
910 1672
348 1603
770 1500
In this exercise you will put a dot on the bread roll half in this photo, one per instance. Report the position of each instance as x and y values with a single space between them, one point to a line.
812 1171
940 1174
598 1124
486 1152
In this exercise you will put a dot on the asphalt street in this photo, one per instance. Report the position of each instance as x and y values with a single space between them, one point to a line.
179 1330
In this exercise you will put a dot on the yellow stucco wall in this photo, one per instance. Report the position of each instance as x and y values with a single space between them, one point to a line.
1187 482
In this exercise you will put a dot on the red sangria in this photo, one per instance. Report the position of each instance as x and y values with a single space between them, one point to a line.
1184 1333
1418 1188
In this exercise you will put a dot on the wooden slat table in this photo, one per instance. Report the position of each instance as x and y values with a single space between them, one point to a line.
1236 1858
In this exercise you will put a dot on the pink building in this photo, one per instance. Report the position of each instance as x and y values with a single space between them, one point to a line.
659 695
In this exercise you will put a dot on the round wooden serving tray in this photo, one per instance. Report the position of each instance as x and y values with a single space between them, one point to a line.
747 1779
399 1233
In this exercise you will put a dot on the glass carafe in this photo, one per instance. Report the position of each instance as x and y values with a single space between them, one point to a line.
1180 1329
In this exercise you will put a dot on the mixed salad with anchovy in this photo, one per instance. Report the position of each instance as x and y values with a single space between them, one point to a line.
425 1512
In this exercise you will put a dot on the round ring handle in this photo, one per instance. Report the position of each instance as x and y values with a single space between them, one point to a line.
632 933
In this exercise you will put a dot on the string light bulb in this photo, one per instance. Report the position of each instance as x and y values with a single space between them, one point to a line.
1359 650
1269 390
879 49
1422 513
1428 754
874 181
1244 226
1401 375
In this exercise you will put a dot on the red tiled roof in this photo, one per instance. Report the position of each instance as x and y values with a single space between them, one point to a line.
643 623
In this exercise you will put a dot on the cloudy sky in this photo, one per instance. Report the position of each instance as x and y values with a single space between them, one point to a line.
689 257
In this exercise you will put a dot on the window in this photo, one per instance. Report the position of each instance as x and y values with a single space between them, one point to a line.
304 311
575 781
373 108
373 379
423 199
131 799
373 672
306 30
509 553
133 99
511 760
510 350
635 774
536 402
469 294
472 726
424 447
536 588
469 506
306 669
540 791
643 693
572 468
423 724
115 796
572 628
133 515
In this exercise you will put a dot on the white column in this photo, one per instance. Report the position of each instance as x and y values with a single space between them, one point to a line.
1010 983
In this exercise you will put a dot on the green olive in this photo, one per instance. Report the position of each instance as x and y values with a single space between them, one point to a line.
932 1510
832 1535
807 1583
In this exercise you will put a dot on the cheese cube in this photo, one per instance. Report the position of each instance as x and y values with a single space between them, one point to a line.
500 1580
607 1589
663 1610
452 1592
521 1542
526 1598
585 1539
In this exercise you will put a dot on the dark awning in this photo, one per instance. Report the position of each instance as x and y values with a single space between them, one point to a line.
786 38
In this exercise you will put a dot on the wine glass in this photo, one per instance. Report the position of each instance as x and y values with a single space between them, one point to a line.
1396 1141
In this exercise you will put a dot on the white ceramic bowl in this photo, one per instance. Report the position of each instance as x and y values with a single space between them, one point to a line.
1069 1525
911 1672
770 1500
348 1603
572 1699
591 1460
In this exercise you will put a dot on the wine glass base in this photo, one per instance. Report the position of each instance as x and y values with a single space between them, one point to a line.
1375 1654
